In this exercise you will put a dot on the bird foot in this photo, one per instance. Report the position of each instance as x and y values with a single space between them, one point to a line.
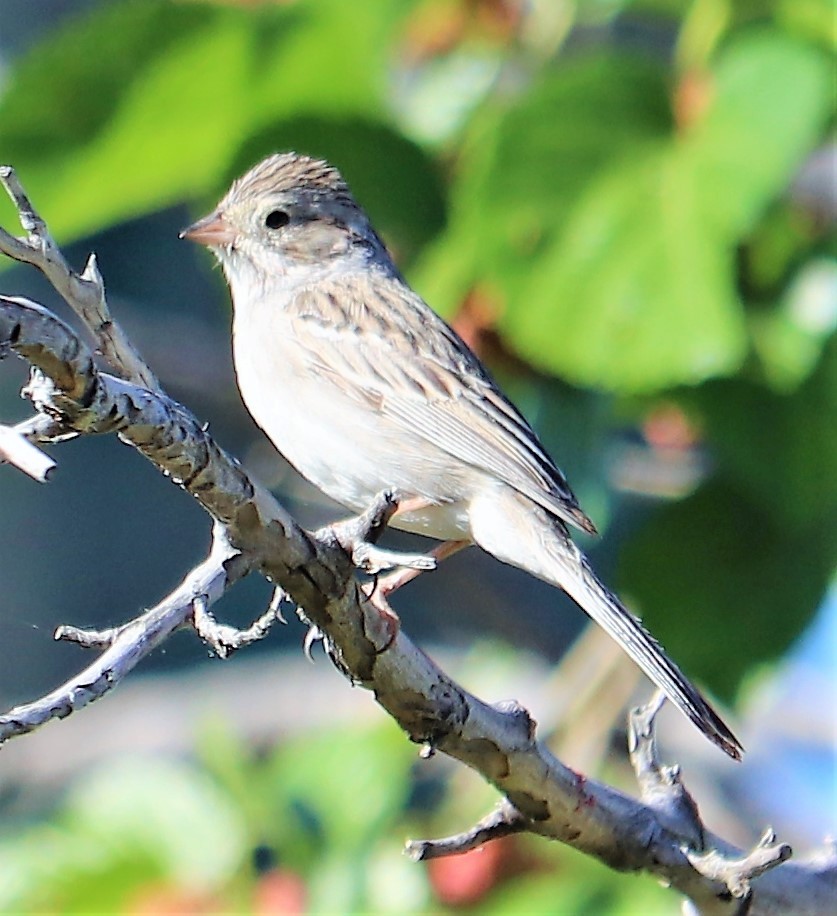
357 536
398 578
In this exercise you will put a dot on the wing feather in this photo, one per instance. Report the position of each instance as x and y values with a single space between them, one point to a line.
397 355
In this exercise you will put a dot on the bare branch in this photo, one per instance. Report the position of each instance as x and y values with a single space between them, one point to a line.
84 292
17 450
87 639
504 820
432 709
17 442
223 638
43 428
661 787
738 873
67 387
126 645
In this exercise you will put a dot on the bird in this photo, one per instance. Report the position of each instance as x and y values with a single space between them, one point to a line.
363 388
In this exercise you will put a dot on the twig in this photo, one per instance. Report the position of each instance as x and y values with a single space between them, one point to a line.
738 873
499 741
17 450
87 639
126 646
503 821
223 638
43 428
84 292
661 787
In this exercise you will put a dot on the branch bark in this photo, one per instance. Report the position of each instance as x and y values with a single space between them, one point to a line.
661 833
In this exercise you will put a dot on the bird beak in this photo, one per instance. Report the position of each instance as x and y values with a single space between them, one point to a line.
212 230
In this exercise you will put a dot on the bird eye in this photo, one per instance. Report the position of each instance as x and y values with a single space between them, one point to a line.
276 219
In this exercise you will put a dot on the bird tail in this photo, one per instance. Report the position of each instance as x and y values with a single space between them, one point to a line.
579 581
554 558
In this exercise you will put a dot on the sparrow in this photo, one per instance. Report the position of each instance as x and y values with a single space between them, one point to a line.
363 388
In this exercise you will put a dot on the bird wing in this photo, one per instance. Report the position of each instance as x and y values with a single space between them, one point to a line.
397 356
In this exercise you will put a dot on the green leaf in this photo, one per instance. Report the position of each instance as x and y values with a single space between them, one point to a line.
180 89
545 145
166 134
730 576
347 784
171 810
635 294
813 19
68 87
228 760
124 826
170 138
790 337
527 158
612 240
568 882
302 62
722 585
771 97
778 449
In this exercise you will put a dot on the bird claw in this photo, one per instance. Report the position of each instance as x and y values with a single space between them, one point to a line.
312 637
275 606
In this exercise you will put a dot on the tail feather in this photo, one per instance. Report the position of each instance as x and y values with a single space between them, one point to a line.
517 531
579 581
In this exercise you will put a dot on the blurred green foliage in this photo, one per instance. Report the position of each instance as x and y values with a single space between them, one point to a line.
233 831
620 210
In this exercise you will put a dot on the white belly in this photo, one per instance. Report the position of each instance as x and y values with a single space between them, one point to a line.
341 447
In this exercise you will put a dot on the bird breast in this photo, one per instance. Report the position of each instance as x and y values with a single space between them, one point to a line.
341 446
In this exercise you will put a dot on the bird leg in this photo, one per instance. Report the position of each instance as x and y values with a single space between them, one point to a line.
357 536
399 577
392 582
379 589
